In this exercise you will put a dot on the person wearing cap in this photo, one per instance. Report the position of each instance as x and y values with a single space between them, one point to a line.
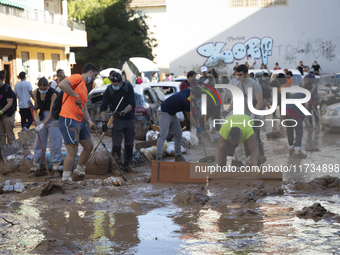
124 119
237 129
72 121
23 89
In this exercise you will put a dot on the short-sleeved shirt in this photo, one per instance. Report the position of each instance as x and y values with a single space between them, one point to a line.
244 87
288 83
178 102
22 89
184 85
240 121
3 100
69 109
312 79
316 68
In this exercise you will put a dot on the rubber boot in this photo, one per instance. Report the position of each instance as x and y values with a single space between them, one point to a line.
116 153
128 163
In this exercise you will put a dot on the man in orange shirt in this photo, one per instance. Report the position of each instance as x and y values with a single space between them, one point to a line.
72 122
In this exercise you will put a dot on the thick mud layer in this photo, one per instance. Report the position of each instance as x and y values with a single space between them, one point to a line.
102 215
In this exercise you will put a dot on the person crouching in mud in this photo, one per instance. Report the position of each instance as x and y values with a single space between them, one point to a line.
235 131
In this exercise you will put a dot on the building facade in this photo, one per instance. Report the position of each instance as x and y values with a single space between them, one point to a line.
158 27
35 37
219 33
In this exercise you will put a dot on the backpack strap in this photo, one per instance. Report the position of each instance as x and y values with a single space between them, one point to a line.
73 90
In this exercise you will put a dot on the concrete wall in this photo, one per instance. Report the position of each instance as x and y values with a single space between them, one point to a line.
212 34
158 24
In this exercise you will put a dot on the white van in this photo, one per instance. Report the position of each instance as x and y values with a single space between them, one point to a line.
134 66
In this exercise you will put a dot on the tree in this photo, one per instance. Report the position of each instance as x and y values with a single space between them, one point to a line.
114 32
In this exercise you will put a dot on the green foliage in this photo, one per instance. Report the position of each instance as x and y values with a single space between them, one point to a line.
114 32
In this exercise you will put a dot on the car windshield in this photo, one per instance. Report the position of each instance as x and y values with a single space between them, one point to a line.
166 89
297 80
326 80
149 74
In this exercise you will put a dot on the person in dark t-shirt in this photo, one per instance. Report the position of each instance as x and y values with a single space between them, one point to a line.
317 68
178 102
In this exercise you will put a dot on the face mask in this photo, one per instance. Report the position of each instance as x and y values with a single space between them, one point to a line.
264 79
236 77
115 87
89 78
43 92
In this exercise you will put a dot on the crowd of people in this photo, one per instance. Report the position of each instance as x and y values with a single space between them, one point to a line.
74 120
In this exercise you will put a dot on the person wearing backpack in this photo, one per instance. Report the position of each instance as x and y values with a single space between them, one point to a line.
23 89
124 119
71 120
7 110
47 127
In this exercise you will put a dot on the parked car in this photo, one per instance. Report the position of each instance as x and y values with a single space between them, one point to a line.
332 98
106 72
168 89
134 66
147 103
323 81
297 78
331 118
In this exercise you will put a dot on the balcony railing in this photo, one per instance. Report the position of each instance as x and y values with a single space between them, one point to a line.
42 16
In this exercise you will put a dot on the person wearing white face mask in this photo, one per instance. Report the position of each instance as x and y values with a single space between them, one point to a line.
47 127
124 119
72 120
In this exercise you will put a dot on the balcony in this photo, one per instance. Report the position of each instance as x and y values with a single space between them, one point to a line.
41 16
39 27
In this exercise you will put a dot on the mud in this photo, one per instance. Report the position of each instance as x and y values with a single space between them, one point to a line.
227 216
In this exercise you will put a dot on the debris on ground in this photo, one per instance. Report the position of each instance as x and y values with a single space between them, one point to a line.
55 246
116 181
189 140
11 164
322 183
152 135
170 151
12 186
99 164
191 198
51 188
316 212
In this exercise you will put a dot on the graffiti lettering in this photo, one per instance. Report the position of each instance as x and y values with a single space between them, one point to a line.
328 49
255 47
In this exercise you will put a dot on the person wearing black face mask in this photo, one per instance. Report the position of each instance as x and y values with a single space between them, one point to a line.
47 127
124 119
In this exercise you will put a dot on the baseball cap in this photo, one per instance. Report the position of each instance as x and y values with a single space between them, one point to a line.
204 69
115 77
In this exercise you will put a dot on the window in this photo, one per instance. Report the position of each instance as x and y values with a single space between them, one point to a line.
257 3
25 61
55 62
41 66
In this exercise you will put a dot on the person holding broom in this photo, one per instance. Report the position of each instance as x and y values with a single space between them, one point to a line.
47 129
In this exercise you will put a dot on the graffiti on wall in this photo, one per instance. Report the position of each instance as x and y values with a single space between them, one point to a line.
310 49
256 47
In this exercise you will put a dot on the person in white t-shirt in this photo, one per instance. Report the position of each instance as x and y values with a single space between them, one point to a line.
23 89
60 76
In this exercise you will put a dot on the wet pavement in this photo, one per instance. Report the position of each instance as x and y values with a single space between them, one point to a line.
145 218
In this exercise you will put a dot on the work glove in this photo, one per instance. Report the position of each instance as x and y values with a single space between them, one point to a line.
1 113
104 126
199 130
119 114
39 128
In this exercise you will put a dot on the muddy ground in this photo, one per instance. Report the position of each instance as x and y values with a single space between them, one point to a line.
298 215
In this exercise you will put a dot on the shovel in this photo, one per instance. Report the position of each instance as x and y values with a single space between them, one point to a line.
103 134
100 140
206 158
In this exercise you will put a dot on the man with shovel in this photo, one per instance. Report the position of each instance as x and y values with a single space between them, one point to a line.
237 129
124 119
72 120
